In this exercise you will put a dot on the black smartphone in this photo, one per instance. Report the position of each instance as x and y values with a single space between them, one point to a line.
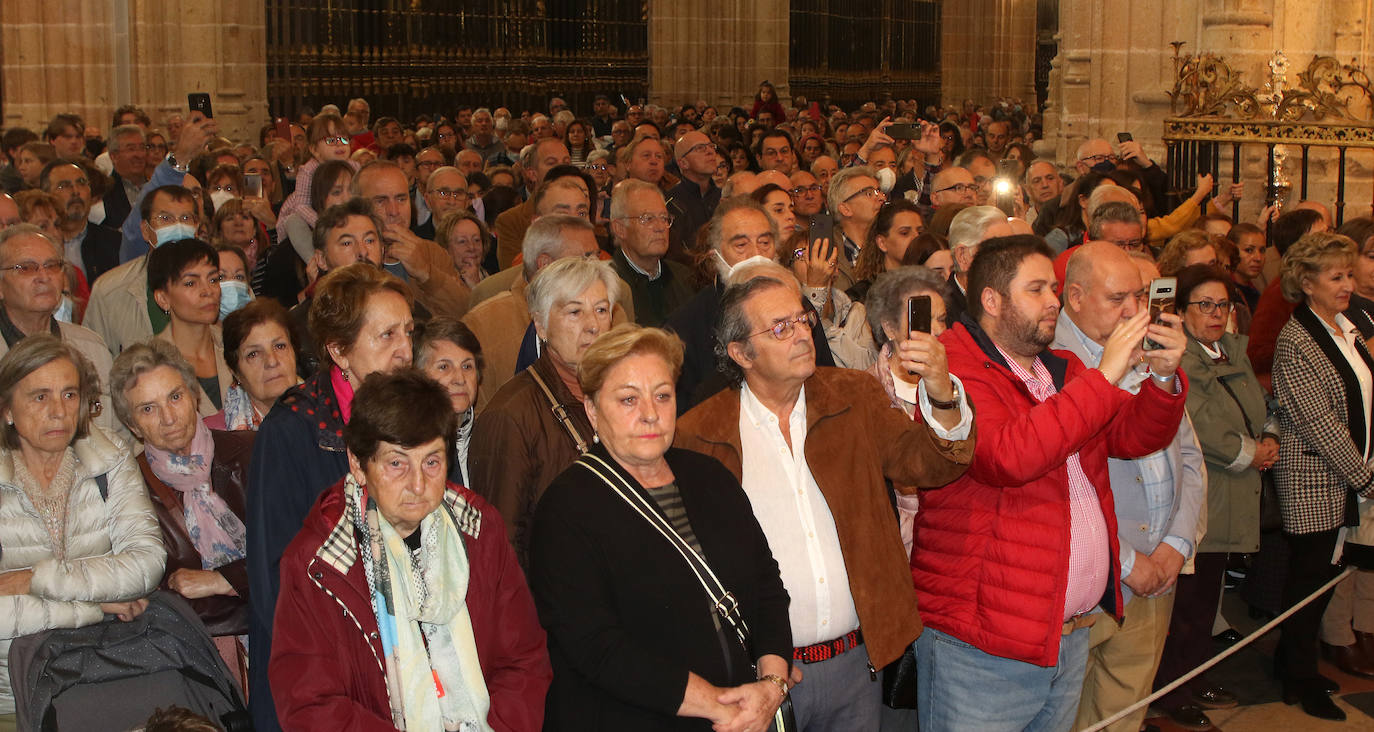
918 313
1124 137
904 131
1161 301
200 102
822 227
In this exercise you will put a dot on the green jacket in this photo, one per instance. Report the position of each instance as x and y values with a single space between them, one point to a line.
1227 425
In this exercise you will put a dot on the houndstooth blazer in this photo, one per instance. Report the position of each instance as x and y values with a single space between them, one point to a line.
1321 457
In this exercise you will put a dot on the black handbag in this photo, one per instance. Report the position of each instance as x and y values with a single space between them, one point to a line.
723 602
899 681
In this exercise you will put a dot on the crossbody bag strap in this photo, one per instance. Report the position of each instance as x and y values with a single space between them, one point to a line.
722 601
560 412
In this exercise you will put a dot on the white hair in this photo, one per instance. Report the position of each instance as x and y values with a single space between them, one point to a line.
968 226
564 280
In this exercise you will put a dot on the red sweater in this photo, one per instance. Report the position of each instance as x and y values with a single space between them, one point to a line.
991 553
327 664
1271 314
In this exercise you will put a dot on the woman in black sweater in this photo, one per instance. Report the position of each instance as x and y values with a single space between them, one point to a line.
632 635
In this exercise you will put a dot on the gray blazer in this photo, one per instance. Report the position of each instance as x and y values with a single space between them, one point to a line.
1185 463
1321 457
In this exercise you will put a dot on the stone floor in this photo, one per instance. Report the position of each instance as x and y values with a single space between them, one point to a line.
1247 675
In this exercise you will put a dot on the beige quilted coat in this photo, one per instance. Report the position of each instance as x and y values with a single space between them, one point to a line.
114 547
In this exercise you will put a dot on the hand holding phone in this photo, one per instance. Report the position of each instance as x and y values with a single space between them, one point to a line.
200 102
918 313
1161 301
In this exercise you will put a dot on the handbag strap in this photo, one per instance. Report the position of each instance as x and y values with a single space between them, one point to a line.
560 412
723 602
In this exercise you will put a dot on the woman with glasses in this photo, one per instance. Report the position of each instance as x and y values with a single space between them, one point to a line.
328 140
1323 384
466 239
1239 440
534 427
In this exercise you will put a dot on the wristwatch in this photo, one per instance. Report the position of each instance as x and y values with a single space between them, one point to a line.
953 403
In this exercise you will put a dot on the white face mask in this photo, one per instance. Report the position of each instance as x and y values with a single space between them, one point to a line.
219 198
174 232
887 178
66 310
729 271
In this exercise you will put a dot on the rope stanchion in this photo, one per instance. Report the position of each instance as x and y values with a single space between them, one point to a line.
1247 640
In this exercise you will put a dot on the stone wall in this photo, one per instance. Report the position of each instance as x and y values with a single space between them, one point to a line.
987 50
717 50
1115 64
90 56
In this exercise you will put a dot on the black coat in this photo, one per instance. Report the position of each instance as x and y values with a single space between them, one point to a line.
627 619
298 453
117 203
100 251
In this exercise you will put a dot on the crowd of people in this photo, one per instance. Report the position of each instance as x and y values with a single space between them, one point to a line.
394 405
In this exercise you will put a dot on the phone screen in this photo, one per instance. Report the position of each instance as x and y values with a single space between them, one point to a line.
252 185
1161 301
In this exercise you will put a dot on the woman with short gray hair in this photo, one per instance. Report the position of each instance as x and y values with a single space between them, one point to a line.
535 425
79 534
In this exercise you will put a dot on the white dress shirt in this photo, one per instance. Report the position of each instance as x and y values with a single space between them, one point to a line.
796 519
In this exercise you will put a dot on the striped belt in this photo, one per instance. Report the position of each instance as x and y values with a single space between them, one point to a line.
828 649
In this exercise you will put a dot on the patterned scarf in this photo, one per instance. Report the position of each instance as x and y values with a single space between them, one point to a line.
239 413
433 676
216 532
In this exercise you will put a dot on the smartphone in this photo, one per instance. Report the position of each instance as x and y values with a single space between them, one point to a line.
822 227
283 129
918 313
200 102
1124 137
1161 301
252 185
904 131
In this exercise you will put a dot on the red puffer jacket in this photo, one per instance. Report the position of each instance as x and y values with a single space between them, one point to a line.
991 553
327 668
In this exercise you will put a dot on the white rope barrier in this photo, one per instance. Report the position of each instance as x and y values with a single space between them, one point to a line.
1247 640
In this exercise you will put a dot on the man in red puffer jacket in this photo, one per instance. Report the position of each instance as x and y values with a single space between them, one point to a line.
1011 559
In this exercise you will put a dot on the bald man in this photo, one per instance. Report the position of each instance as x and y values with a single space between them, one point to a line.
9 211
1157 501
694 198
953 186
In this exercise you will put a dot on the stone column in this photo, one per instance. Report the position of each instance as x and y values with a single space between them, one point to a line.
987 50
717 50
81 56
57 58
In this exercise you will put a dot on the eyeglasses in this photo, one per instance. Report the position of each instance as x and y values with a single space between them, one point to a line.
1092 160
699 147
29 269
782 330
867 191
166 219
1208 307
1131 245
597 168
648 219
335 140
960 188
429 164
451 193
66 185
800 191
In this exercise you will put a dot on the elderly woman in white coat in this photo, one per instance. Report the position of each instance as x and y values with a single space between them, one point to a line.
78 535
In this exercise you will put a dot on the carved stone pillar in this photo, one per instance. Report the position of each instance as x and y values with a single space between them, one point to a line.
717 50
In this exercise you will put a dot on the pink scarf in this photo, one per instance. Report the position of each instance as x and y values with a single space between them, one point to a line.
343 391
217 534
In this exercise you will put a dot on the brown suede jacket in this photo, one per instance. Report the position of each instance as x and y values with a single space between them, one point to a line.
854 440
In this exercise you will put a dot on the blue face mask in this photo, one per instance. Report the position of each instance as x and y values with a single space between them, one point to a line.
65 310
232 296
175 232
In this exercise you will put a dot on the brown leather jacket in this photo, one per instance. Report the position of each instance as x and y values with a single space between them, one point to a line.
854 440
222 614
518 447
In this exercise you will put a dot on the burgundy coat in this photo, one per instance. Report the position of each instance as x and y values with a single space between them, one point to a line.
991 554
327 668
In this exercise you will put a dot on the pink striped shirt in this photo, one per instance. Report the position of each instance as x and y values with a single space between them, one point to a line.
1089 563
